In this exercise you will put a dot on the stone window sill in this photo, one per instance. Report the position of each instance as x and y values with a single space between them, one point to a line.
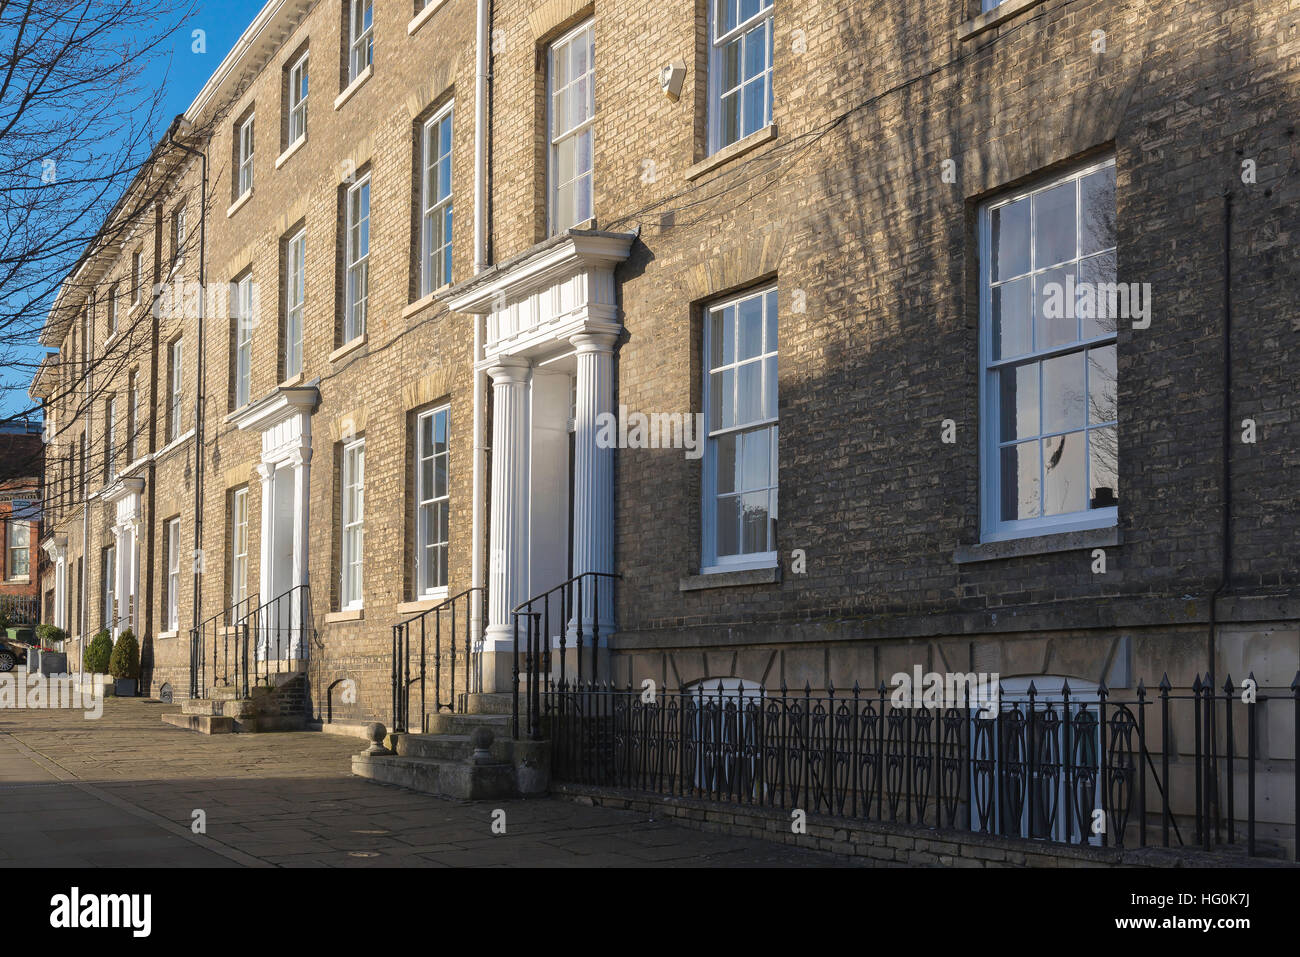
293 147
348 348
174 444
992 18
1038 545
424 302
731 151
352 87
348 614
738 578
167 634
239 204
421 18
422 604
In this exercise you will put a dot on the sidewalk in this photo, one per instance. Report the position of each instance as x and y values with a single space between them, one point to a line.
122 791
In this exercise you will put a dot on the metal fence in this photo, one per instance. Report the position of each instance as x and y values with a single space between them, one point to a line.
1179 767
448 635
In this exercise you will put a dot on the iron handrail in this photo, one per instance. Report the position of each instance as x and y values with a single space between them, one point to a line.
401 678
537 660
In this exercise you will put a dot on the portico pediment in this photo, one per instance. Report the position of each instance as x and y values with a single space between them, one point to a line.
548 294
284 419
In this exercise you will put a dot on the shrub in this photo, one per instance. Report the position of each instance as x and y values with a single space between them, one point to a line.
97 653
125 660
48 636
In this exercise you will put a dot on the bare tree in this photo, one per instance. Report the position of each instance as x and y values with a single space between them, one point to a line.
77 123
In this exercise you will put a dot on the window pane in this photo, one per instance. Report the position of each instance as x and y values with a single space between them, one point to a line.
1097 211
726 463
728 526
755 103
1011 329
1011 240
750 317
754 523
1019 481
1019 401
1055 323
753 459
1063 471
1103 470
749 401
769 387
1102 406
729 119
771 321
1063 393
1098 313
1054 239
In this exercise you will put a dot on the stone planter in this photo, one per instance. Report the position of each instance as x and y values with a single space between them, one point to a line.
124 687
51 662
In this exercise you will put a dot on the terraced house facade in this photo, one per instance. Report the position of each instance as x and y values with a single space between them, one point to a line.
853 338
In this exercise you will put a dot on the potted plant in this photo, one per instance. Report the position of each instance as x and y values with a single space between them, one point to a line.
95 659
50 640
124 664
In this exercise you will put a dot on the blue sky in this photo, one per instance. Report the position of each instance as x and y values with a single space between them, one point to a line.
181 71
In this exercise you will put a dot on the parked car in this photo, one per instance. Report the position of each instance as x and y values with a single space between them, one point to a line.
13 650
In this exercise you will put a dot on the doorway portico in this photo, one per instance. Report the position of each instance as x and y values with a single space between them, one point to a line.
552 324
284 420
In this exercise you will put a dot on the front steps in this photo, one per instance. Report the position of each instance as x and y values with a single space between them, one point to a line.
270 707
444 762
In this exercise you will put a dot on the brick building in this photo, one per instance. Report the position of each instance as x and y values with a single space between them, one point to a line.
432 277
20 520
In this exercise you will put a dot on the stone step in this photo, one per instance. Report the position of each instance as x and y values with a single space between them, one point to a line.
490 703
202 723
451 779
465 723
449 747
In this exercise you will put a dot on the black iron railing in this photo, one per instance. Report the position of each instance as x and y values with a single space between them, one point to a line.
20 609
448 631
565 617
219 649
1066 767
244 644
281 631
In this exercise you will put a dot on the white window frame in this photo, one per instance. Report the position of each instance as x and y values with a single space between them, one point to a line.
178 235
244 320
299 80
560 220
353 517
718 44
238 545
110 437
711 561
246 146
993 528
172 610
361 46
435 255
132 413
295 296
18 540
176 392
108 588
357 279
427 499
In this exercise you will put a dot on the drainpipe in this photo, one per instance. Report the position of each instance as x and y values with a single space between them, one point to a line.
201 367
1225 480
478 529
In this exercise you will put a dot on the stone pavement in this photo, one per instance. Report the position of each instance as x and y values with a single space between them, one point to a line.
121 791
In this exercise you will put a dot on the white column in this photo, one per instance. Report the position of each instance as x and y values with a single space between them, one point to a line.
593 480
508 555
60 592
265 557
301 462
133 576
